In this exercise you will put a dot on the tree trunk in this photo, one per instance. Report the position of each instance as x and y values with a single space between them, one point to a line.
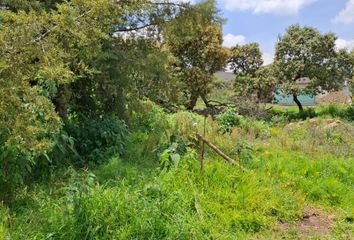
193 101
205 100
61 101
60 108
298 103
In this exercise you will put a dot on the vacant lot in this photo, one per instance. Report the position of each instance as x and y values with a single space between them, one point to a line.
297 183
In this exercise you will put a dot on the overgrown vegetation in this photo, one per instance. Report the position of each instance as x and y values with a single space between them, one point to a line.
98 139
155 192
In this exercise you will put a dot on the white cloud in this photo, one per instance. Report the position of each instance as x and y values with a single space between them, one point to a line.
278 7
347 14
175 1
182 1
231 40
268 58
342 43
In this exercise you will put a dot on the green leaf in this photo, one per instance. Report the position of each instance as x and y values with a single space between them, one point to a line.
175 159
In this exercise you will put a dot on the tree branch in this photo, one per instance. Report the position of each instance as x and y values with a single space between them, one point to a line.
130 29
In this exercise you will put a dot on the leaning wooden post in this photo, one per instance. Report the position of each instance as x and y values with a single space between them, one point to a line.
203 146
218 151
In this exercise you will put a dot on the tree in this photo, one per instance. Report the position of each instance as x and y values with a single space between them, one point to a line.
25 5
62 57
258 88
246 59
264 84
350 81
253 81
198 48
42 53
70 56
303 52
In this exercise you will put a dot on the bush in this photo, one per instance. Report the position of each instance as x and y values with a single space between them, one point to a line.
350 113
16 165
337 111
244 152
228 120
184 126
150 135
3 223
96 139
148 117
308 113
250 108
259 129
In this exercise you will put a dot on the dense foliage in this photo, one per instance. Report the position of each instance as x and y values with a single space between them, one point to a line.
60 59
246 59
253 81
198 48
96 141
305 53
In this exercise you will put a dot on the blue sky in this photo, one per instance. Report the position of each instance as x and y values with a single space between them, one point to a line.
263 20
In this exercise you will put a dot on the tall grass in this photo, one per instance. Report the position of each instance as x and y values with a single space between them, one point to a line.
308 164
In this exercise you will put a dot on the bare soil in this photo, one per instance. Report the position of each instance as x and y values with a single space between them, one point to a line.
313 222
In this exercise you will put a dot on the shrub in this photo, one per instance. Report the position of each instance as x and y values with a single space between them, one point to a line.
169 159
64 152
3 223
350 113
250 108
15 166
148 117
97 138
244 152
278 120
184 126
259 129
228 120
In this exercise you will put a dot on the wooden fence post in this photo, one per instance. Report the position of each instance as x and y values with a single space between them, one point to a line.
218 151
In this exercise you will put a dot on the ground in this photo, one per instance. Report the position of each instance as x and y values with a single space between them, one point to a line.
297 183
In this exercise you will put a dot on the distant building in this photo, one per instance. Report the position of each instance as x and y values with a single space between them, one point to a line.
287 100
340 97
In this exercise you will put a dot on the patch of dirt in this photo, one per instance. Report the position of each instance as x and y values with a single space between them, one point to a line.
313 222
329 123
317 222
340 97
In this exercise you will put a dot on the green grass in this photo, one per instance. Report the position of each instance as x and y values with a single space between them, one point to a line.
288 169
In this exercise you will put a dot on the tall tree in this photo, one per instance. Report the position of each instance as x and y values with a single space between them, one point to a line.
253 81
71 57
258 87
351 81
198 47
25 5
304 52
65 57
43 52
246 59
